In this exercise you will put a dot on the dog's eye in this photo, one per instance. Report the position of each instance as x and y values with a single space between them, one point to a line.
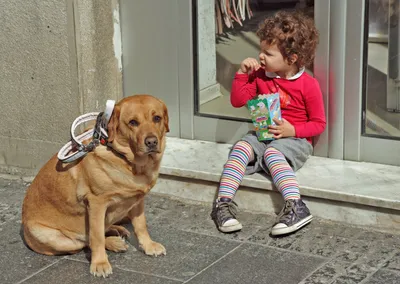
134 122
157 118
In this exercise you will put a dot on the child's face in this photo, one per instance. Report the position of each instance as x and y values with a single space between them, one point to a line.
271 58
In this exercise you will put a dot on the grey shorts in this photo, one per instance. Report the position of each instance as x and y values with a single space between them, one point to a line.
295 150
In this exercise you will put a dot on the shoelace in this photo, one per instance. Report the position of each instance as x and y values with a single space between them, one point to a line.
228 209
289 206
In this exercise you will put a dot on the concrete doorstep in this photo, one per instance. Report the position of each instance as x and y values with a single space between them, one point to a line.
357 193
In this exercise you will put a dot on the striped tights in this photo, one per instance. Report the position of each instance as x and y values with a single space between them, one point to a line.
281 172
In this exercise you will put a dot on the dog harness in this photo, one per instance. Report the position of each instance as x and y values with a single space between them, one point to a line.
75 149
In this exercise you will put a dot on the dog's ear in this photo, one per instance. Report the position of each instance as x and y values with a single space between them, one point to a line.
165 114
166 118
113 124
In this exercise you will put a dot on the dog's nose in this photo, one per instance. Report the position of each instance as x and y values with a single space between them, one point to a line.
151 141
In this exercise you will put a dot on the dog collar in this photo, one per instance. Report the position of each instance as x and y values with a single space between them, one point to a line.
75 149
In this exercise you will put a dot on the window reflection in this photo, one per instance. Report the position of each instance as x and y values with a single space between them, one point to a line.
382 96
226 36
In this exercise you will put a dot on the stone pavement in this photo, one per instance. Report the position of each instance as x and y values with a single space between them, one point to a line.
323 252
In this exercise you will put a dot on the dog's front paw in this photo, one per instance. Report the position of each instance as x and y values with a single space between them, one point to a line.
101 269
154 248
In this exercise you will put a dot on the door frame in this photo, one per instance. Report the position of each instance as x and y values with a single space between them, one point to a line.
360 146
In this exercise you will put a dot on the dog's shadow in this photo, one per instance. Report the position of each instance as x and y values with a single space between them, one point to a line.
21 234
132 240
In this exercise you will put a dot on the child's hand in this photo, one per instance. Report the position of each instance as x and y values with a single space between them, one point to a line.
249 64
283 128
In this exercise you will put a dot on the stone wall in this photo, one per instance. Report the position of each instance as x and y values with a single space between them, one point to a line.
58 59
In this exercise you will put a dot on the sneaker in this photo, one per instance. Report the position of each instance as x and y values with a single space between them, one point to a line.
224 215
293 216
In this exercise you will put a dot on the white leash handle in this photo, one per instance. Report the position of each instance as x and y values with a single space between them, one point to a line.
63 155
66 155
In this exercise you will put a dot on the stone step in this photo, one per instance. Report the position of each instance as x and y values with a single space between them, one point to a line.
353 192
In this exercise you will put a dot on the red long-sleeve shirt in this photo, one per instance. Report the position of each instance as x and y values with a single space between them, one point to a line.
301 99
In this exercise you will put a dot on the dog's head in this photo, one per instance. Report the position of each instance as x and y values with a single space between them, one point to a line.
138 126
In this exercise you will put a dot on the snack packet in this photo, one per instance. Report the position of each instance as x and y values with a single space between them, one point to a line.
263 109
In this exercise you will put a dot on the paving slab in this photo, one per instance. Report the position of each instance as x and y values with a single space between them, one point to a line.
257 264
57 274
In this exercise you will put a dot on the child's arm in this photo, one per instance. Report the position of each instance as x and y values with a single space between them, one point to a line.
244 87
315 110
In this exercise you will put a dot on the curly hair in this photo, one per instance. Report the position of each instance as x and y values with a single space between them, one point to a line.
293 33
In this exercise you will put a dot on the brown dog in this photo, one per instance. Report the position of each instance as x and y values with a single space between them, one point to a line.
71 206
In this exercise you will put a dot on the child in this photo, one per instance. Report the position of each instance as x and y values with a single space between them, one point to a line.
288 42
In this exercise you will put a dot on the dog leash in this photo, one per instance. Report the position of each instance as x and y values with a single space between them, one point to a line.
98 133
